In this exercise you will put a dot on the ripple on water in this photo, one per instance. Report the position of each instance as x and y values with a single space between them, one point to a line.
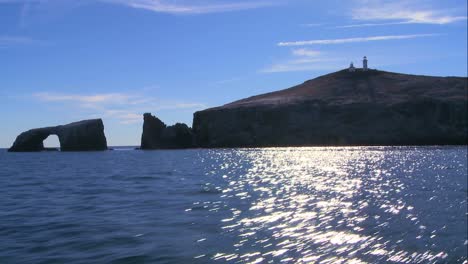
278 205
340 204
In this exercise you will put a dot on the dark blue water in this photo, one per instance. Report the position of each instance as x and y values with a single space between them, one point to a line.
279 205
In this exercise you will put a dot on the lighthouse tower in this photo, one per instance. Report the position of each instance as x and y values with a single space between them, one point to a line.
364 64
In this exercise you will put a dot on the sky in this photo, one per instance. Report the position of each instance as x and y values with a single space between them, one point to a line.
68 60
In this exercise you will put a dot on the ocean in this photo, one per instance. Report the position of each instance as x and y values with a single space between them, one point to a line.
273 205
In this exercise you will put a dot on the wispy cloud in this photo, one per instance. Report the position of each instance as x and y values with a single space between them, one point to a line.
352 40
123 116
230 80
124 107
311 65
312 25
44 10
306 52
189 7
7 41
402 12
89 99
305 60
372 24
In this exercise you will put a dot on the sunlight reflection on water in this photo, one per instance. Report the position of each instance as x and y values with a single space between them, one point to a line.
331 205
276 205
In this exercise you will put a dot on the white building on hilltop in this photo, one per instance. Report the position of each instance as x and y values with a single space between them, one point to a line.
364 65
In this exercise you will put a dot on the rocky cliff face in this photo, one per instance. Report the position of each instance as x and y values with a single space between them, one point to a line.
343 108
156 135
87 135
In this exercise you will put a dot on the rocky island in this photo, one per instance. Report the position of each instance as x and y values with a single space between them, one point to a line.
86 135
348 107
156 135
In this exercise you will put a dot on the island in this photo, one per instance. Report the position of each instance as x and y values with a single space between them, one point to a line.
86 135
350 107
157 135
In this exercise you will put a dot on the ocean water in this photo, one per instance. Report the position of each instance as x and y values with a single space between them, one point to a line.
276 205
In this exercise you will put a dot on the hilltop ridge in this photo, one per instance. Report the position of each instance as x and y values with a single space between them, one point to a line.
344 87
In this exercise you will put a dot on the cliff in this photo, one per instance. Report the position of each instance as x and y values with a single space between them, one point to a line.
87 135
156 135
343 108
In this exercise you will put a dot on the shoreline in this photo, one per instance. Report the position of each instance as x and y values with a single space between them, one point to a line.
136 148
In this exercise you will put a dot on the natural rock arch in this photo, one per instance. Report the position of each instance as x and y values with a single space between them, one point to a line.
78 136
51 142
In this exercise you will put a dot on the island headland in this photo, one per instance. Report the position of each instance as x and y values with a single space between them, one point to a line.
347 107
86 135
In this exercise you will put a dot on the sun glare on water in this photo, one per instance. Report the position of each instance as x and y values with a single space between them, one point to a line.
327 205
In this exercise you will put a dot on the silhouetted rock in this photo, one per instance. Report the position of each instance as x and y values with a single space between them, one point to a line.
343 108
156 135
87 135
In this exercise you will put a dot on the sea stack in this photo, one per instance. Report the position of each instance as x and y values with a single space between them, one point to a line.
348 107
156 135
86 135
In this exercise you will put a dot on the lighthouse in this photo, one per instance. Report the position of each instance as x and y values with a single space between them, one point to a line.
364 64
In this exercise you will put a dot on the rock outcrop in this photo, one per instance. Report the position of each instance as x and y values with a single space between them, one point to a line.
343 108
87 135
156 135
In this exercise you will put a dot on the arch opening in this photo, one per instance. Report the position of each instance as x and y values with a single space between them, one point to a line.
51 143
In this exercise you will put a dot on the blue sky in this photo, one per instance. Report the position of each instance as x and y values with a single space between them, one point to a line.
67 60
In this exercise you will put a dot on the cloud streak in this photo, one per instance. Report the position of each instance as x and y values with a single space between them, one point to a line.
306 52
7 41
305 60
372 25
159 6
95 98
189 7
352 40
124 107
310 65
401 12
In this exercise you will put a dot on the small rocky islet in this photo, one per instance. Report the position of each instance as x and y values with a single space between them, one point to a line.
86 135
350 107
